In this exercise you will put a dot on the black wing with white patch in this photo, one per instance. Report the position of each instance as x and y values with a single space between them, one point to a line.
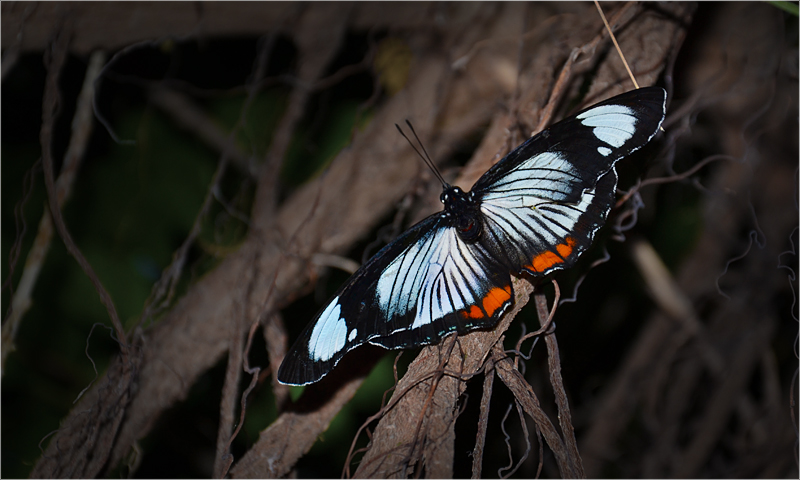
426 284
543 202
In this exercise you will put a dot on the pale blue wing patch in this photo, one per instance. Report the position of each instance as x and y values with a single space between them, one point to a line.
542 221
451 280
547 176
401 281
329 334
511 206
612 124
437 277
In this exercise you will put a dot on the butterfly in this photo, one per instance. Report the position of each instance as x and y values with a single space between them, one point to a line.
532 213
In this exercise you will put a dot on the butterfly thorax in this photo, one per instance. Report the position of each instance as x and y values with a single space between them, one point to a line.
463 211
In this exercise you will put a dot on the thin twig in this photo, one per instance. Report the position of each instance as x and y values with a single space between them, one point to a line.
544 327
11 54
189 116
94 366
21 298
672 178
525 435
237 352
82 126
230 390
483 423
163 290
506 439
524 393
566 73
336 261
614 39
554 365
415 454
50 108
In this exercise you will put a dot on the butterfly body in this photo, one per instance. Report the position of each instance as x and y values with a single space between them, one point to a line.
463 211
533 212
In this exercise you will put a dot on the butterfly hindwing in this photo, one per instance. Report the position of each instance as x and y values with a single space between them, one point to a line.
350 318
537 239
419 288
438 286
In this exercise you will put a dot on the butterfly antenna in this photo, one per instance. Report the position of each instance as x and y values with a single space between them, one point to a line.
425 158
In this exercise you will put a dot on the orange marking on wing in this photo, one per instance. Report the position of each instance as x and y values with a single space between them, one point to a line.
491 302
495 299
547 259
566 249
473 312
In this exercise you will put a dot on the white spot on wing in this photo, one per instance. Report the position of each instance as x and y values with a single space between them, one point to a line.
352 335
328 335
613 124
604 151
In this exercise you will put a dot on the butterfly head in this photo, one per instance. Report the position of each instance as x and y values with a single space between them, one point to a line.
462 209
